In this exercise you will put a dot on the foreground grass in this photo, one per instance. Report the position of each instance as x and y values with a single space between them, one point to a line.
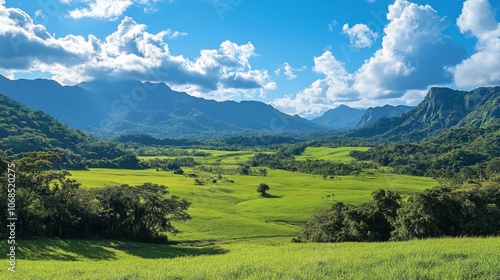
461 258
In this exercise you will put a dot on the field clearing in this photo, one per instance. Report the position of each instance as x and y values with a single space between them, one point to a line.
226 211
334 154
225 157
277 258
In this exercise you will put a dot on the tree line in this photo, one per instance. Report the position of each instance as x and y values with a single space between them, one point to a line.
458 154
50 204
471 210
319 167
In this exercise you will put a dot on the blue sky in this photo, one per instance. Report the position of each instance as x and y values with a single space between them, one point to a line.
303 57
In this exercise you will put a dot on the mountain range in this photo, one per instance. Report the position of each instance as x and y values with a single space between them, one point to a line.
107 109
345 118
373 114
341 118
441 109
110 108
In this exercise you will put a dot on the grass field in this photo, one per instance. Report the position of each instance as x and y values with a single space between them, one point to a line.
228 211
237 234
335 154
225 157
464 258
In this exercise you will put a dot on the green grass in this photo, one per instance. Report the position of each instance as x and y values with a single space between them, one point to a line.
236 234
464 258
335 154
225 211
225 157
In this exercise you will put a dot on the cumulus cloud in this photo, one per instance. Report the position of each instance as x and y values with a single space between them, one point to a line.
360 35
414 55
289 71
131 52
322 93
482 67
108 9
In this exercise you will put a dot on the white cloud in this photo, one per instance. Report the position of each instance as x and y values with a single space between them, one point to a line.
481 68
131 52
331 25
288 71
322 93
108 9
360 35
414 53
102 9
413 57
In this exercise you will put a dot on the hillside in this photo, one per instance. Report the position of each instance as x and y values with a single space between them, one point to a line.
26 130
109 109
442 108
342 117
373 114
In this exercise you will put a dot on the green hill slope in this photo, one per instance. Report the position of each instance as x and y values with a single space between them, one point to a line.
26 130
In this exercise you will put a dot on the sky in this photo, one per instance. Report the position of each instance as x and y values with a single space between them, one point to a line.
302 57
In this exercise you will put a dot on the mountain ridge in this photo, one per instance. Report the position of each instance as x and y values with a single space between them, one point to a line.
373 114
441 109
342 117
112 108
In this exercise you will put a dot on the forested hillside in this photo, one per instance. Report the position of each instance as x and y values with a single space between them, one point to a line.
458 154
26 130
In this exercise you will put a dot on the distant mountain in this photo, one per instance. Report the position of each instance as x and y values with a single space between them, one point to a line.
26 130
442 108
110 109
341 118
373 114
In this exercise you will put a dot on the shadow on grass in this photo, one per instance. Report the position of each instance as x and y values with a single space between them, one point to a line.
78 250
266 195
156 251
64 250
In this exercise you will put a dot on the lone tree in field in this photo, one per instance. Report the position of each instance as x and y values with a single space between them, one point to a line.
263 188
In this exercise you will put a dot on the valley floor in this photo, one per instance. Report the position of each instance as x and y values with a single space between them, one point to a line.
237 234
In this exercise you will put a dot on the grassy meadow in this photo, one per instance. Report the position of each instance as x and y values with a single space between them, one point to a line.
335 154
277 258
237 234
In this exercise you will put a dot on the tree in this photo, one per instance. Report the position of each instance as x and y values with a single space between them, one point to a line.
263 188
179 171
141 212
493 167
263 171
